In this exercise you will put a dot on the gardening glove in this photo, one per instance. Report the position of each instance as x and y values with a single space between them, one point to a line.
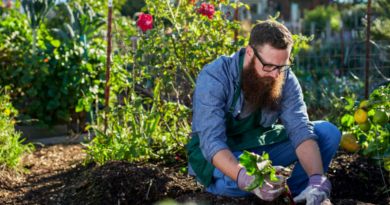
317 191
269 191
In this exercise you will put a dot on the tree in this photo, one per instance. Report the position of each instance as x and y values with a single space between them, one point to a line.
131 7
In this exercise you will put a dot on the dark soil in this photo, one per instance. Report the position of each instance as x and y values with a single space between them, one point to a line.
58 177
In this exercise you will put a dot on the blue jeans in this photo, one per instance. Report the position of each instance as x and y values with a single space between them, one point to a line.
282 154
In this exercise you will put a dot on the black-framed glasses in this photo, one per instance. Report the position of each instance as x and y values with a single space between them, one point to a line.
270 67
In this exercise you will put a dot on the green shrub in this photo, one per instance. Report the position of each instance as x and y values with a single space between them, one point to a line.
48 86
11 149
136 133
321 15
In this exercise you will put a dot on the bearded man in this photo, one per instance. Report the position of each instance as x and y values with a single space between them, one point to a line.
237 102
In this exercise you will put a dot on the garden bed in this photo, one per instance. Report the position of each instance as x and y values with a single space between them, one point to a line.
58 177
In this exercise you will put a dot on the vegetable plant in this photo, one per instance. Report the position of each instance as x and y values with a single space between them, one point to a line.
260 166
36 11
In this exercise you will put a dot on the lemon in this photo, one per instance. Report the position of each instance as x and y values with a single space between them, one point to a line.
380 118
349 142
365 126
363 103
360 116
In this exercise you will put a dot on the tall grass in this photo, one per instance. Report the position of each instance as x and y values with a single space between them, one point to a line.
11 148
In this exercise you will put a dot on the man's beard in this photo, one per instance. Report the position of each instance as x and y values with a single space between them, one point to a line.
261 92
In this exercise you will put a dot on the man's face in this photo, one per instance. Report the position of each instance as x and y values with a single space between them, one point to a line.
264 89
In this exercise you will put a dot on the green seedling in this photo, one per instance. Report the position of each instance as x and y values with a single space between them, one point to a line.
260 166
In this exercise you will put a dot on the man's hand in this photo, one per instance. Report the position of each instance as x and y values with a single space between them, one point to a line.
270 189
317 191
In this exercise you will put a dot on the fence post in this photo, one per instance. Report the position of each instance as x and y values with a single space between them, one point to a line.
312 32
342 49
107 90
236 19
368 47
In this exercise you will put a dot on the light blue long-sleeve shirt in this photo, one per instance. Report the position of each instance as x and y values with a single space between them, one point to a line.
214 95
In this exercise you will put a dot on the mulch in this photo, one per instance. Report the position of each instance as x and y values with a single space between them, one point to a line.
58 176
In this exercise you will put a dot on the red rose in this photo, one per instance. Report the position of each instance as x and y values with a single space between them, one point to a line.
8 4
186 29
145 22
177 157
207 9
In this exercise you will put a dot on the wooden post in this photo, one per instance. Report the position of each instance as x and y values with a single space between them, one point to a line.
368 47
236 19
107 90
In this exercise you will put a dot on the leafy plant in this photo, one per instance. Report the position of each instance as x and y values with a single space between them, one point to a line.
260 166
321 15
84 22
36 11
373 126
11 147
136 133
48 86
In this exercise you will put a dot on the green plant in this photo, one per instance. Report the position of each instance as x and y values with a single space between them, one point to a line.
377 135
321 16
136 133
260 167
11 147
83 23
48 86
36 11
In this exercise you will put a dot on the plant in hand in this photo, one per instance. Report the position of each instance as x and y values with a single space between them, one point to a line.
260 167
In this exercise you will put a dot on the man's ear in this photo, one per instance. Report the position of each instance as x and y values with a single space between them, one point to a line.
249 51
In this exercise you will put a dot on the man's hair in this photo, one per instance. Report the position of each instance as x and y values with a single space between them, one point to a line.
270 32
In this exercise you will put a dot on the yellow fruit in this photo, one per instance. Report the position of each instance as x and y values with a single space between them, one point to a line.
360 116
363 103
380 118
7 112
349 142
365 126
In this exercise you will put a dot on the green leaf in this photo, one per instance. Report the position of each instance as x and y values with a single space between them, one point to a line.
56 43
371 147
79 108
347 120
348 107
53 104
258 181
349 100
247 6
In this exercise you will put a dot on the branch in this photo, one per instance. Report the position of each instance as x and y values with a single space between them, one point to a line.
173 136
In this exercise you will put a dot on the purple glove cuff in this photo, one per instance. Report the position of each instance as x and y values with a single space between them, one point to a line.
320 182
244 180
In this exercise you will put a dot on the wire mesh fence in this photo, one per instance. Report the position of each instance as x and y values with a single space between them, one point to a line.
334 65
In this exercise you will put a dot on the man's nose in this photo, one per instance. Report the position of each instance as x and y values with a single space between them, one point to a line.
275 73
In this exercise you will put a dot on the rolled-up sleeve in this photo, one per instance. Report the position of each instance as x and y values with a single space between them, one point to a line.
293 112
210 98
